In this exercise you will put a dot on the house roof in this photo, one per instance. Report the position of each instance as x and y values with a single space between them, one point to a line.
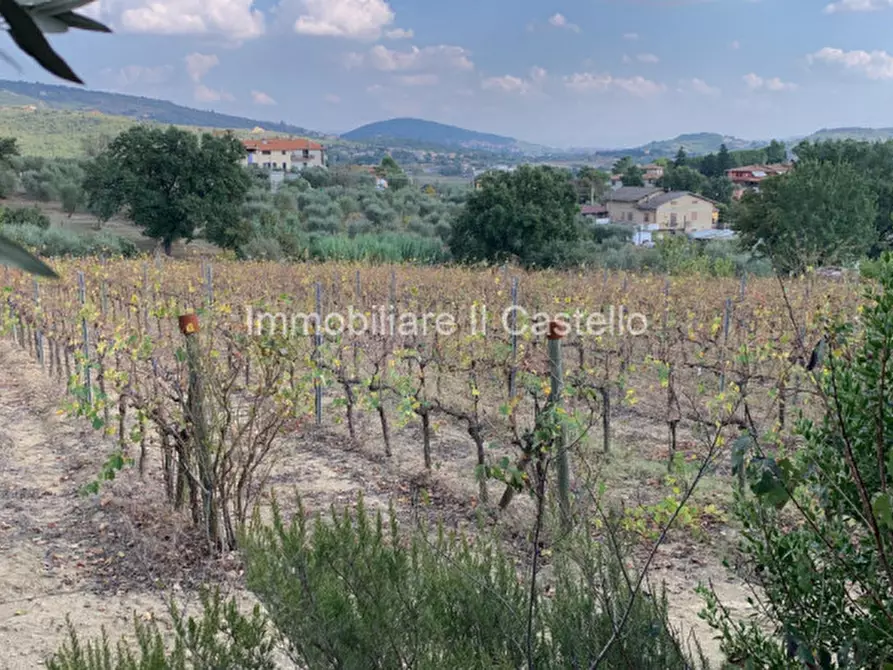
761 170
282 144
632 193
656 201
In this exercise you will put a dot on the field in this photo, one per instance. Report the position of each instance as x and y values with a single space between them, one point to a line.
410 414
55 133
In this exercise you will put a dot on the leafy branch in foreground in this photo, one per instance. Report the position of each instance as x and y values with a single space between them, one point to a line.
818 523
26 22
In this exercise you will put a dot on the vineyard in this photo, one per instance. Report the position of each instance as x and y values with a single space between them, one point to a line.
726 354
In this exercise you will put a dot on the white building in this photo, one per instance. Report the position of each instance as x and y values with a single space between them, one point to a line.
284 153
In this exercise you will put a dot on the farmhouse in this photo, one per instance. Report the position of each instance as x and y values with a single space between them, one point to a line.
655 209
748 177
284 153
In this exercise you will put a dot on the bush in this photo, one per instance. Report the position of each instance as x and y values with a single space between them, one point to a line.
377 248
823 565
221 638
356 593
25 216
59 242
262 249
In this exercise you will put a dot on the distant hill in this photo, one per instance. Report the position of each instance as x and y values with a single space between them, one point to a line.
697 144
864 134
51 96
420 133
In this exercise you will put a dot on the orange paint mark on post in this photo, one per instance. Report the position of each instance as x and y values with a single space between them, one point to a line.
189 324
557 330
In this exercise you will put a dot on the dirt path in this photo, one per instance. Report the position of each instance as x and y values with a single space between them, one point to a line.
44 458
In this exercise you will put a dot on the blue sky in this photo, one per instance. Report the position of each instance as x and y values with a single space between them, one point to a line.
598 73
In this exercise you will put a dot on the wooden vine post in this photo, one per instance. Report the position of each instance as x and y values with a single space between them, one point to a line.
195 405
556 374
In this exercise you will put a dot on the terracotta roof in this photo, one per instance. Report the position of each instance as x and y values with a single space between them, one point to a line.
282 144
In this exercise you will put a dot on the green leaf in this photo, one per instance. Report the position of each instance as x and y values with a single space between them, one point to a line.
740 447
16 256
30 39
882 506
770 482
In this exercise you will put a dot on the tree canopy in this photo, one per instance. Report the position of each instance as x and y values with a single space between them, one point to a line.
874 163
171 183
820 213
525 215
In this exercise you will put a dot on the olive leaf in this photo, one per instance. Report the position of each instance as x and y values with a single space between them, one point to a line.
14 255
30 39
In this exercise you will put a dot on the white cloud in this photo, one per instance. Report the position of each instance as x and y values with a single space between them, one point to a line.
511 84
647 58
333 99
356 19
735 45
700 86
857 6
632 37
874 64
205 94
418 79
234 19
261 98
139 75
442 56
591 81
560 21
198 65
400 34
756 83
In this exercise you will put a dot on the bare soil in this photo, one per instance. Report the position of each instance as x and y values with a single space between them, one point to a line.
103 559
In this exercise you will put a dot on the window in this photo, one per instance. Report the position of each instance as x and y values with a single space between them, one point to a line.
694 216
283 153
673 220
266 152
629 216
306 153
647 217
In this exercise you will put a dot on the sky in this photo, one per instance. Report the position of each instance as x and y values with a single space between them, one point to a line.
579 73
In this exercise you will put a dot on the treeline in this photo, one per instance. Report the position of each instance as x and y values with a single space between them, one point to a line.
834 208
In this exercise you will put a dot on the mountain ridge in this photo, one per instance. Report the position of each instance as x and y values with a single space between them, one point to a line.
408 132
69 98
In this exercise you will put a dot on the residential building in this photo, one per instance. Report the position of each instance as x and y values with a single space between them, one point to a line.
748 177
650 174
284 153
664 212
598 213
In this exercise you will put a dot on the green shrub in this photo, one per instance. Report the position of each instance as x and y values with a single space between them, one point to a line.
25 216
817 523
355 592
221 638
262 248
60 242
378 248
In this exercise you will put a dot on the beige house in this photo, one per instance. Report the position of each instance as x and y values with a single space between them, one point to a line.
654 209
284 153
